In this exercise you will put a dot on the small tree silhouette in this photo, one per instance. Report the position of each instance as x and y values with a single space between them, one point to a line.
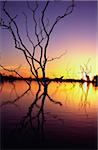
86 70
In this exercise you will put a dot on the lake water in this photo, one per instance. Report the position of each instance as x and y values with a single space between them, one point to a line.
65 118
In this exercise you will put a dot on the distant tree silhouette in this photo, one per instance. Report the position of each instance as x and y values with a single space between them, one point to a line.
86 70
95 80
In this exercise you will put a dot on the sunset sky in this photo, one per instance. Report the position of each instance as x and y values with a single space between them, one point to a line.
75 34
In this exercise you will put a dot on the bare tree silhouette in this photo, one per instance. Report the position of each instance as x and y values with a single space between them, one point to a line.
86 70
41 33
35 63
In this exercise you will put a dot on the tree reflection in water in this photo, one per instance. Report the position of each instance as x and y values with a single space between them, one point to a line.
84 102
35 117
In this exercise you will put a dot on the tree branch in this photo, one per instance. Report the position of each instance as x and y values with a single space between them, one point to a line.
67 12
13 70
58 57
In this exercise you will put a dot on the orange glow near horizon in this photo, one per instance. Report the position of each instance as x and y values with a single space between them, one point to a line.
57 68
67 65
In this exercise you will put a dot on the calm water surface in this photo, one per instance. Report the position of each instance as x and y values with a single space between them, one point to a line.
67 120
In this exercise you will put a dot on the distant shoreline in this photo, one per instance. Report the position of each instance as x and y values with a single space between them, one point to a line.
12 78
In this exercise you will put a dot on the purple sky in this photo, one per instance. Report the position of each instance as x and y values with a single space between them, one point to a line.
75 33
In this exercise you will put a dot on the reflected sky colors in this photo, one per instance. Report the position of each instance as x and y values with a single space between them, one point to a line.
79 99
75 34
75 119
